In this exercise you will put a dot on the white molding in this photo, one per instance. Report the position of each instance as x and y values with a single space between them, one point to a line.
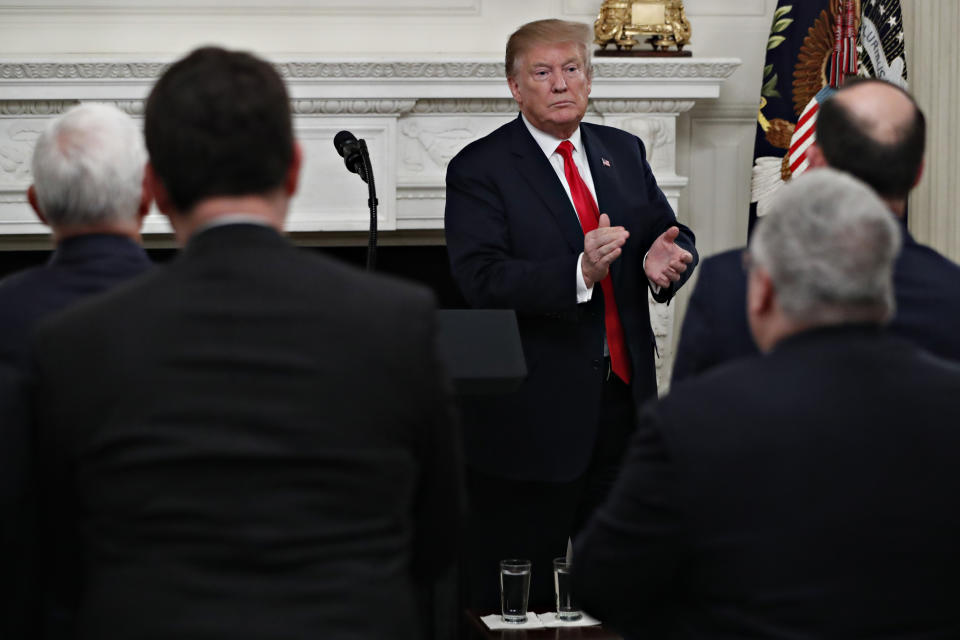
579 8
694 8
415 112
674 107
720 164
244 7
732 8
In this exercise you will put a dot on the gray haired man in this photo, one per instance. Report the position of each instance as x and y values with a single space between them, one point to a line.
809 492
88 188
88 170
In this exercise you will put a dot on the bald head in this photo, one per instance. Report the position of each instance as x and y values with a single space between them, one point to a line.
875 131
884 111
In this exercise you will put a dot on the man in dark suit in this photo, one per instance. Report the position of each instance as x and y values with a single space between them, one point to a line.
874 131
806 493
88 187
562 221
254 441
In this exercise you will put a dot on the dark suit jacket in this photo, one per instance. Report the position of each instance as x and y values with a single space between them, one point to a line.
79 267
513 237
17 499
807 494
926 286
253 442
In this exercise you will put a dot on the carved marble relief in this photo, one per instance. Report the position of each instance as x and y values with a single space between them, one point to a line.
17 138
428 144
658 139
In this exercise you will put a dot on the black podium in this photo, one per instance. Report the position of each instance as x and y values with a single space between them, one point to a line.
481 350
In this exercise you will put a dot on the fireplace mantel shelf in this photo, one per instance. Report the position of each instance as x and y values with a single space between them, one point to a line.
415 114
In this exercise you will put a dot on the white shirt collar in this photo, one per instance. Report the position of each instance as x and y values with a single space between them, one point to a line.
548 143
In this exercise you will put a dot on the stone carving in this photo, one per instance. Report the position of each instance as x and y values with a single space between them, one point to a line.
16 151
438 141
82 70
606 106
130 107
656 133
439 70
333 107
466 105
661 321
665 69
35 107
652 68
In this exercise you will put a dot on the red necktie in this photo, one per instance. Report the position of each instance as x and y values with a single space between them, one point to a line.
589 216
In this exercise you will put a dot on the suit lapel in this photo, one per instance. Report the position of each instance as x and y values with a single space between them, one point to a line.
605 181
534 167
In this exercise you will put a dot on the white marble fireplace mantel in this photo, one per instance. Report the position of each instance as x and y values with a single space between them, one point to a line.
415 114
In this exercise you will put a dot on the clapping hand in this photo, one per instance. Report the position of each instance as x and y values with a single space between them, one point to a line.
600 248
666 260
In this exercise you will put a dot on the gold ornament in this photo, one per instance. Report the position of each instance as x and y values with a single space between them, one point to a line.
663 23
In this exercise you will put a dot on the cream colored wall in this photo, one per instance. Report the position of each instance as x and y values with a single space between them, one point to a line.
933 55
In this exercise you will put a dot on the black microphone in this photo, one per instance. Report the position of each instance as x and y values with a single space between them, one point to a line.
349 149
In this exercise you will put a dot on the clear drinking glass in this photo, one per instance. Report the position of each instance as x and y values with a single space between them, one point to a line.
566 609
514 589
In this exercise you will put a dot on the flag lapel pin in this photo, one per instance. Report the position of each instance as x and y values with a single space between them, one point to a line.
605 162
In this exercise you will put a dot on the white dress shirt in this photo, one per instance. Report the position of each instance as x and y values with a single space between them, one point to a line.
548 144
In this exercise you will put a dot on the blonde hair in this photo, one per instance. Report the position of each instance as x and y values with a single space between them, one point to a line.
551 31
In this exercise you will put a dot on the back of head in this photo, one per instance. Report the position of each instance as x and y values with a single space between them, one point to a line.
218 123
874 131
828 245
88 167
542 32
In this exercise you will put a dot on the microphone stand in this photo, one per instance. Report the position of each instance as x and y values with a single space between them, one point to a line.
372 202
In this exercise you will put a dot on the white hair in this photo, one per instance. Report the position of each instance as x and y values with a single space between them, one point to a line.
88 166
829 245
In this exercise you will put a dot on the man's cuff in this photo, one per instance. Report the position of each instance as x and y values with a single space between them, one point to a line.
653 286
584 293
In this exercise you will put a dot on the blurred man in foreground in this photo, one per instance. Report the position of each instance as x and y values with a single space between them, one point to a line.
806 493
874 131
253 442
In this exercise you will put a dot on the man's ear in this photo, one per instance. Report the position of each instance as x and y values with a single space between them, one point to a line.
146 198
815 156
761 308
35 204
292 179
920 169
759 292
153 187
514 90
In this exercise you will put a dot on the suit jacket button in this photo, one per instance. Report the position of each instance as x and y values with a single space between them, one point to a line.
597 363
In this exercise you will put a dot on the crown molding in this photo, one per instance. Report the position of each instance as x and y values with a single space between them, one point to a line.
641 78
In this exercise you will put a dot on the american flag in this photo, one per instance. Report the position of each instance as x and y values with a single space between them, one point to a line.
806 39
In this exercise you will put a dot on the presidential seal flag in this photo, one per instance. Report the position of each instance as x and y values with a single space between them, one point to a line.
813 46
881 48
